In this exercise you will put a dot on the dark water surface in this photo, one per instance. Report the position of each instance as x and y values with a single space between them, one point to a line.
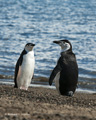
41 22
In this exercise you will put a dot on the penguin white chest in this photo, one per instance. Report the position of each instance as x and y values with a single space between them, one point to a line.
26 71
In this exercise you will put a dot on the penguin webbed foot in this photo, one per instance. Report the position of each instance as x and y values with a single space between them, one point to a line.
23 88
70 93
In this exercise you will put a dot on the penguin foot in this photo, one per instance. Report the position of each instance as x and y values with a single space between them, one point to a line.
15 86
70 93
23 88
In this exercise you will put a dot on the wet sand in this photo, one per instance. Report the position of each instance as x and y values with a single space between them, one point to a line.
45 104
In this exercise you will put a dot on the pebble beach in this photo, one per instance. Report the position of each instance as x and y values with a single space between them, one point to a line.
45 104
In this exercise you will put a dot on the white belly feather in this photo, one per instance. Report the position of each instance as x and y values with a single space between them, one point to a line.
57 81
26 70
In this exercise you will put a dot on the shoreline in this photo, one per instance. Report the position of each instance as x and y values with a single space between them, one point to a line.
47 86
43 82
45 104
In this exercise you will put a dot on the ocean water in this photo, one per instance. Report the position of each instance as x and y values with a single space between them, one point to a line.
41 22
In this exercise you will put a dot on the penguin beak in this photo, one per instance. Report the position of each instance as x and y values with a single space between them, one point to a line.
57 42
33 45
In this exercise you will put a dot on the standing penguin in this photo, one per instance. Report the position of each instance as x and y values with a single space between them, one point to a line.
24 68
65 73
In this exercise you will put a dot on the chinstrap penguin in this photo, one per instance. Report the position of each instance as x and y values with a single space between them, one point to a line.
65 73
24 69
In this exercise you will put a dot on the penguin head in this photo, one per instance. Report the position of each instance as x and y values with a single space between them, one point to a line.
65 45
29 47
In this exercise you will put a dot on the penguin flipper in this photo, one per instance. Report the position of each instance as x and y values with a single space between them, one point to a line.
18 64
17 68
16 73
54 73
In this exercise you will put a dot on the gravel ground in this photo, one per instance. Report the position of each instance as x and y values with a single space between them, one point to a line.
45 104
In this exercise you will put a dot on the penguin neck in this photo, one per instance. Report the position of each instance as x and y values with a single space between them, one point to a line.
29 54
24 52
63 52
65 48
27 51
